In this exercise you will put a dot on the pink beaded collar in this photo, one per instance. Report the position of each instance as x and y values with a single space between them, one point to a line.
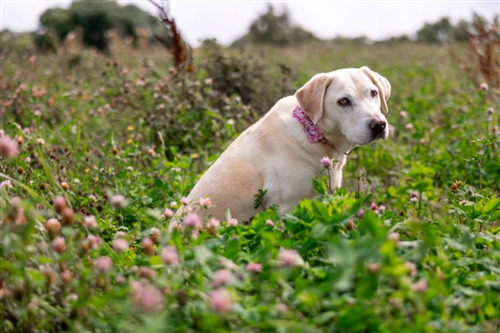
312 130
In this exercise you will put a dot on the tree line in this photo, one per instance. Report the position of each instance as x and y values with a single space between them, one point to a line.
95 19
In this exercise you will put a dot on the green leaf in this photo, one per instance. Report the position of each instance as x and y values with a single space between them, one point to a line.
491 205
155 260
319 185
228 215
232 249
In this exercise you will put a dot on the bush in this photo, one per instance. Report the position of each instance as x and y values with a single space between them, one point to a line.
240 73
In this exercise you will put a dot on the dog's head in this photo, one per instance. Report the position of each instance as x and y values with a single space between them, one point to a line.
347 102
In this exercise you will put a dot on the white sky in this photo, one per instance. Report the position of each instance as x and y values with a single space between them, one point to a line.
228 20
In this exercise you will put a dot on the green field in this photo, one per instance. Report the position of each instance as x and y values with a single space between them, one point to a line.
411 243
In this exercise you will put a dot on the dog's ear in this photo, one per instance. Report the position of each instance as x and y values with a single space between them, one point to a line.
382 84
312 96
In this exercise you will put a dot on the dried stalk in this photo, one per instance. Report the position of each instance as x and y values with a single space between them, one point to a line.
484 40
179 48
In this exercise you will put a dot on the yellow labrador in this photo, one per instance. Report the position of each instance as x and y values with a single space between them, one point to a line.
330 115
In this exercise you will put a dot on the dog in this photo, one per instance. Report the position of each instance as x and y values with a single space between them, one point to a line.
280 154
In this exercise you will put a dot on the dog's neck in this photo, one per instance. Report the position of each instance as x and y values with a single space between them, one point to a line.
313 132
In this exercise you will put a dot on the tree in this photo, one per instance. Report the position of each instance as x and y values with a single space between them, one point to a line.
59 20
97 17
440 32
270 28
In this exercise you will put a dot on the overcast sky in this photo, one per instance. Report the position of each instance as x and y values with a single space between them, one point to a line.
227 20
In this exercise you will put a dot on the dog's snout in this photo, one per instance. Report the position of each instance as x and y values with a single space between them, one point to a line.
377 126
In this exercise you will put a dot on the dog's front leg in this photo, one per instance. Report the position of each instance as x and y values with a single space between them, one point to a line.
336 173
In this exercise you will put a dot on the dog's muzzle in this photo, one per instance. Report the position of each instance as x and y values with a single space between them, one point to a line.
377 128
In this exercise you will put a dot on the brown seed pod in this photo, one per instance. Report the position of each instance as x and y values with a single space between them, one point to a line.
59 204
65 186
155 237
351 225
66 277
84 246
53 226
59 245
68 216
147 246
50 276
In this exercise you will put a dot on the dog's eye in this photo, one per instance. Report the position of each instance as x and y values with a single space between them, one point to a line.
344 102
374 93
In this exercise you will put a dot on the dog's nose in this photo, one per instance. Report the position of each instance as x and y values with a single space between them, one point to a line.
377 126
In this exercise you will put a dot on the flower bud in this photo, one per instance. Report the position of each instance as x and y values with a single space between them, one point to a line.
59 204
205 202
68 216
59 245
213 224
373 267
50 276
103 265
155 234
289 257
120 234
193 221
232 222
89 221
53 226
8 147
120 245
222 277
147 246
254 267
117 201
93 241
420 286
66 277
412 268
146 297
65 186
147 273
326 162
167 213
393 236
169 255
221 301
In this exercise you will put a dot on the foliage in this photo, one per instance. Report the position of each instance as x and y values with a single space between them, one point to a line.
416 250
95 18
239 73
273 29
442 31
